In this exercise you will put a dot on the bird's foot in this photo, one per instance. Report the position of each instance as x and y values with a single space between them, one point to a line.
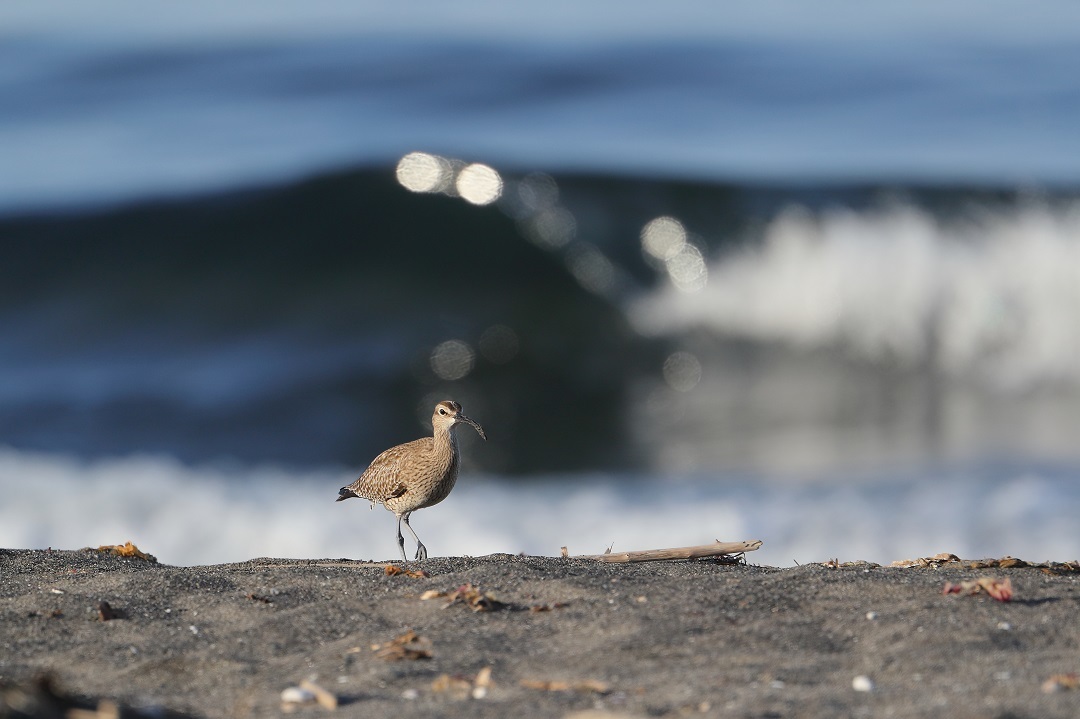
421 551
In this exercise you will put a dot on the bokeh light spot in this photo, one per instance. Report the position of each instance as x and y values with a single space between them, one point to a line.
479 184
663 237
499 344
591 269
682 371
423 172
687 269
552 227
537 191
452 360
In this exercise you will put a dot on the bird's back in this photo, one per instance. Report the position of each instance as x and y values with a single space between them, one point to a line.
409 476
382 478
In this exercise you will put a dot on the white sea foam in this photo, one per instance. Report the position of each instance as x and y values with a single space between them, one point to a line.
995 297
200 515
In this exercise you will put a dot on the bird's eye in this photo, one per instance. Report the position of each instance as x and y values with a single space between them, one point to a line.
442 411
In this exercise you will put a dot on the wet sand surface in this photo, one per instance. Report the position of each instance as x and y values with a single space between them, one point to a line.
686 638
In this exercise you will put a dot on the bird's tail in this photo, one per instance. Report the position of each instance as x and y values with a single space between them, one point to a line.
345 493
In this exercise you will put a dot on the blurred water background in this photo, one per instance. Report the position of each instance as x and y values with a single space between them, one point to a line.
802 273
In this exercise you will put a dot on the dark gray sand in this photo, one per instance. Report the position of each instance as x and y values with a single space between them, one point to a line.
691 638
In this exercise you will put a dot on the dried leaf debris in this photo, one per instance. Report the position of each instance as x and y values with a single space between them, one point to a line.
394 570
461 687
106 612
857 564
945 559
127 550
594 686
1061 683
999 589
471 596
408 646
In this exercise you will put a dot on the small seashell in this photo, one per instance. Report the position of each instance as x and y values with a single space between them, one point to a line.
871 615
297 695
862 683
481 683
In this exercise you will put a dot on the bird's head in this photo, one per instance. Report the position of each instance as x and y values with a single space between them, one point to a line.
448 414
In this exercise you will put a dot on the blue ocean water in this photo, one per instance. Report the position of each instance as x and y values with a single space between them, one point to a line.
109 103
794 266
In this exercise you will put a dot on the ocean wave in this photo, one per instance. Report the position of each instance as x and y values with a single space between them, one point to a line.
992 297
189 515
308 324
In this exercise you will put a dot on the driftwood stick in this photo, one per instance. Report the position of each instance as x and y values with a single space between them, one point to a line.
327 700
655 555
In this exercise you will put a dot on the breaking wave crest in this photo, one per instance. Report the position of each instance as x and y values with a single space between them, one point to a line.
995 296
188 515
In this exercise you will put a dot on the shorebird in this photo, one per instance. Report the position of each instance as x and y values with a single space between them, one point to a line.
416 474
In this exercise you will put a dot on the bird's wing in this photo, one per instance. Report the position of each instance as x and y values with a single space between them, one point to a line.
380 481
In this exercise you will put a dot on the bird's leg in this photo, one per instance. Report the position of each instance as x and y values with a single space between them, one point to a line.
401 539
421 550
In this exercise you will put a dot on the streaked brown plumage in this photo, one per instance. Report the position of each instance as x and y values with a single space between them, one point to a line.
416 474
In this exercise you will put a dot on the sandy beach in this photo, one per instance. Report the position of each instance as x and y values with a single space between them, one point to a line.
501 635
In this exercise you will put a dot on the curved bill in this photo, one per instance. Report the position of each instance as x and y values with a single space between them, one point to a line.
477 427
